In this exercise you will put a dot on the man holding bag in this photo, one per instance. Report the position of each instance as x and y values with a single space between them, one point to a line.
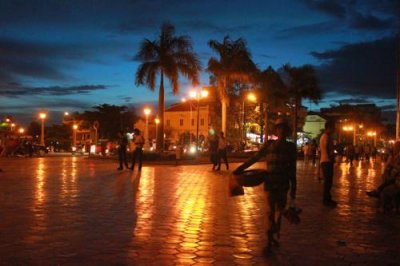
280 157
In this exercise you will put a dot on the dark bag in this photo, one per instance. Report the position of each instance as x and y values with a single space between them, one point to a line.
251 178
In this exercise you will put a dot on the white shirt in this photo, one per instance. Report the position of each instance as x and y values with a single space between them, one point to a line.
323 147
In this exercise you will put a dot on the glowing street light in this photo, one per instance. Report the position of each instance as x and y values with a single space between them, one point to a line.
21 130
372 134
198 95
75 128
42 117
157 121
251 97
12 126
147 112
66 113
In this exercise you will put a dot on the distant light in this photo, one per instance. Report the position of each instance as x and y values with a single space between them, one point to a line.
157 121
66 114
21 130
252 97
183 100
92 148
42 116
147 111
75 127
204 93
192 149
73 148
193 94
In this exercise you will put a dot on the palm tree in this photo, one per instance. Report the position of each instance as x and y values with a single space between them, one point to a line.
234 65
169 56
272 93
302 83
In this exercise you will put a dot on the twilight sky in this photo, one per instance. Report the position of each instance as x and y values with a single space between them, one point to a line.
60 55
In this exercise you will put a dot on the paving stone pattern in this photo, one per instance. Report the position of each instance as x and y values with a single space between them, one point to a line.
77 211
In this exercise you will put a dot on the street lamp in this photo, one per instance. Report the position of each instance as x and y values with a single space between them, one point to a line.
42 117
21 130
12 126
198 95
147 112
190 122
372 134
251 97
157 121
75 128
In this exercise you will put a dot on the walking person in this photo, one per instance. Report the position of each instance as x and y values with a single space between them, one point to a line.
280 156
350 154
222 151
213 147
122 144
327 162
138 152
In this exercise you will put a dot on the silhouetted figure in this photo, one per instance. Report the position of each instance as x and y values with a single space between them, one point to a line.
327 162
314 151
350 154
138 152
213 147
222 151
280 156
122 144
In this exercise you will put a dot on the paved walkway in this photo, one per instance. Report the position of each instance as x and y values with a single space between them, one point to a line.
70 211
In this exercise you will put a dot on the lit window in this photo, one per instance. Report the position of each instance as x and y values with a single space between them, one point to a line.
181 122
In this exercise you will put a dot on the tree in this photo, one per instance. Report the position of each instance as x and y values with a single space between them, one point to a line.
111 118
273 94
302 83
169 56
234 65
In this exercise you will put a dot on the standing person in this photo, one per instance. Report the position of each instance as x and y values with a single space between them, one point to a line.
327 162
306 152
122 144
350 153
222 151
280 156
314 150
138 152
213 145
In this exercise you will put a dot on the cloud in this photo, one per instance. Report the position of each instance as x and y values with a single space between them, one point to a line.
365 69
370 22
52 91
353 101
330 7
308 29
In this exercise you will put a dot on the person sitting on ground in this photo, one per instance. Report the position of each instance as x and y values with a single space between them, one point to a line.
392 170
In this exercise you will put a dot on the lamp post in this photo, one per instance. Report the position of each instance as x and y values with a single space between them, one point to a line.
252 98
351 128
198 95
190 120
147 112
157 121
42 117
75 128
372 134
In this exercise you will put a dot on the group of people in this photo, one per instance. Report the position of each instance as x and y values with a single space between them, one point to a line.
137 154
218 147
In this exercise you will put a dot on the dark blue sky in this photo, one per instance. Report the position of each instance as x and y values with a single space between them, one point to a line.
70 55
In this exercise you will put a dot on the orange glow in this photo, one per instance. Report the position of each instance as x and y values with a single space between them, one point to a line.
252 97
147 111
42 116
